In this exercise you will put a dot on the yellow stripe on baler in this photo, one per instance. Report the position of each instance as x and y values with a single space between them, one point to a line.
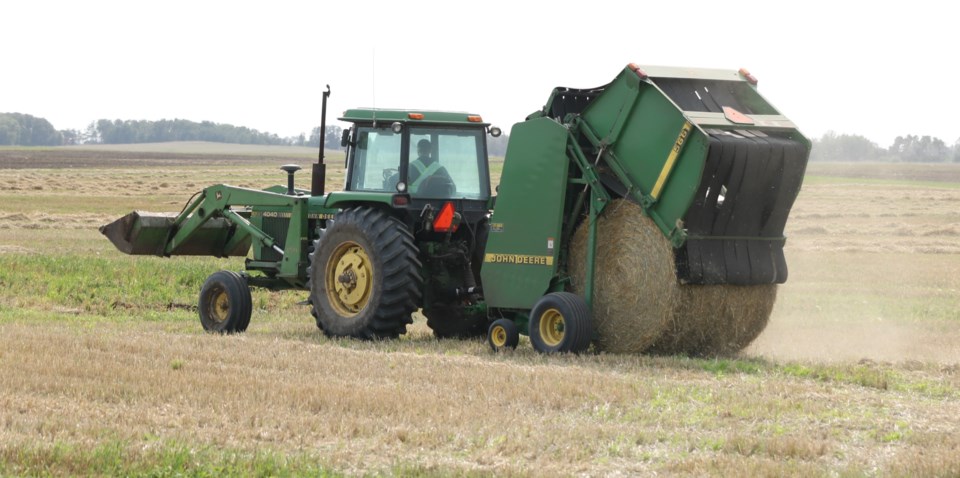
671 159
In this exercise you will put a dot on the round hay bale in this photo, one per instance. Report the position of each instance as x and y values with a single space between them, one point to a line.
635 281
714 320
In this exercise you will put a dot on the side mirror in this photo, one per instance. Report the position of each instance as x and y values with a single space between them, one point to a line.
494 131
345 138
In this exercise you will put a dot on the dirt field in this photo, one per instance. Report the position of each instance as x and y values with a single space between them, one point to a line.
104 368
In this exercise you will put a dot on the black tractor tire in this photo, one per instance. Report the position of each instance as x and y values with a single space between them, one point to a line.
560 323
225 304
454 322
503 335
365 276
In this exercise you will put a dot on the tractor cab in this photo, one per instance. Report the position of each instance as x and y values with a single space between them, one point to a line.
424 159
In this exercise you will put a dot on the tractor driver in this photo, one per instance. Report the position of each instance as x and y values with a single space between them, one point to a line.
426 175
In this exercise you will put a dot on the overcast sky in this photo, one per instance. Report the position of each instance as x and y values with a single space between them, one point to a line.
852 67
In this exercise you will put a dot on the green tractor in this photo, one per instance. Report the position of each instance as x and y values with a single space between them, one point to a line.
417 227
405 233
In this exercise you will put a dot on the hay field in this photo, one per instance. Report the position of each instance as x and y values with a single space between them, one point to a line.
104 369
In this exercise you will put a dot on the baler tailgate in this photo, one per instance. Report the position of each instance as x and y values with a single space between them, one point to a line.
735 223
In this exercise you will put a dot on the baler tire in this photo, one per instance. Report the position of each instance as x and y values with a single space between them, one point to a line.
560 323
380 251
225 304
503 335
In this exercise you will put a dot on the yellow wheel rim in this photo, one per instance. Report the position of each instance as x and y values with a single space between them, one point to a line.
498 336
551 327
220 306
349 278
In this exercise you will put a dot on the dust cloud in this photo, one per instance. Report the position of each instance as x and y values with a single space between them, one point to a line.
854 342
874 271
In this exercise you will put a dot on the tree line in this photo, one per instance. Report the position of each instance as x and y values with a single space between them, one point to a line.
17 129
142 131
907 149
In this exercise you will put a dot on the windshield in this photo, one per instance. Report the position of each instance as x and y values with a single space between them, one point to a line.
376 159
443 162
447 163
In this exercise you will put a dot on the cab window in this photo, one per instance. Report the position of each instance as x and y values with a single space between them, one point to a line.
376 160
462 156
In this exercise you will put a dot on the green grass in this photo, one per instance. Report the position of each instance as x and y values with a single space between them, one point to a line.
156 459
868 374
104 285
722 367
163 458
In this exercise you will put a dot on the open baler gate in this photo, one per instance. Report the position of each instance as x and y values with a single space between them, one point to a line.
714 164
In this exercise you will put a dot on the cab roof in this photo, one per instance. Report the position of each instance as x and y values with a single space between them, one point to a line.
364 115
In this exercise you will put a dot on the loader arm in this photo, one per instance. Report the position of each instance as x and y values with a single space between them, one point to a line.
216 201
210 225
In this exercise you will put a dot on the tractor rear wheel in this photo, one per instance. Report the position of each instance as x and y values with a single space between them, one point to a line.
560 322
225 304
364 279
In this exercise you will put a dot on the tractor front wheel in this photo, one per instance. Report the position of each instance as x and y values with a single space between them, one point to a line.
225 304
560 322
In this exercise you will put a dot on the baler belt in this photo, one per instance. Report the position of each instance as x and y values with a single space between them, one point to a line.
747 190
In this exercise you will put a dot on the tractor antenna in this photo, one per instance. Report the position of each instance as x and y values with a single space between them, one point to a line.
373 83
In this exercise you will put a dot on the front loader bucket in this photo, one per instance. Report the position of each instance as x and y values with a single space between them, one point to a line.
147 233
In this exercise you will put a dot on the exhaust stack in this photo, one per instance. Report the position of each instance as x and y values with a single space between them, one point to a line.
319 177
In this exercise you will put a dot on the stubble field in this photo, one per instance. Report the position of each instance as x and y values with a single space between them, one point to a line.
104 368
